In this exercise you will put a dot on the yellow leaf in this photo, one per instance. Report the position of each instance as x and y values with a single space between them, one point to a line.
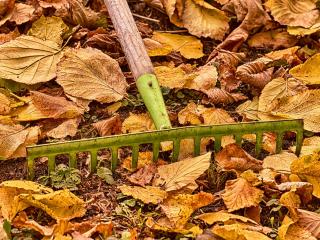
147 194
214 217
90 74
137 123
48 28
236 231
239 193
177 175
290 199
305 105
190 114
309 146
188 46
29 60
249 109
60 205
288 54
279 162
179 208
305 31
309 167
303 14
308 72
144 158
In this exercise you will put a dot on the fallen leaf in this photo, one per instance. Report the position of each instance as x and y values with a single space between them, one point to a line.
68 127
309 221
53 3
305 31
239 193
214 217
309 146
273 39
249 109
233 157
303 189
6 10
288 54
199 17
60 205
147 194
304 13
237 231
137 123
6 37
14 138
144 175
108 126
190 115
48 28
179 208
279 162
292 231
220 96
90 74
291 200
144 158
22 13
304 106
307 72
308 167
189 46
177 175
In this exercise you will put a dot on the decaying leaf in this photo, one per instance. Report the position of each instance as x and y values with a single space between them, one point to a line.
188 46
308 166
273 39
309 221
241 194
214 217
233 157
305 31
6 10
29 60
15 138
178 208
53 3
294 12
108 126
220 96
146 194
177 175
308 72
6 37
291 200
288 54
238 231
137 123
48 28
90 74
144 175
279 162
22 13
199 17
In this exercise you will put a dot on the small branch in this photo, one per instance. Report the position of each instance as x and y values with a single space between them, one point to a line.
146 18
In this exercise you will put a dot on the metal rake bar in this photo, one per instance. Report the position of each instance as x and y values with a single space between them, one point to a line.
113 143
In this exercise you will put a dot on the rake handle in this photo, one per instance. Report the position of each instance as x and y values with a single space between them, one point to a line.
129 37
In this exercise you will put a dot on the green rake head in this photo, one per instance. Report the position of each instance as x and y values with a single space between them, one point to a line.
113 143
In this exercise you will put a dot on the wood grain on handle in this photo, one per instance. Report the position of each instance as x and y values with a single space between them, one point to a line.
129 37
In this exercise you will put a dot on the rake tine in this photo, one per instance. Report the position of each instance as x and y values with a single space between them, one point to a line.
238 138
176 150
73 159
259 137
217 143
30 163
94 160
197 146
114 161
156 150
299 141
279 142
51 163
135 155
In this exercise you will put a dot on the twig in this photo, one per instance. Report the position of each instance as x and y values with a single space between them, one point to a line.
146 18
175 31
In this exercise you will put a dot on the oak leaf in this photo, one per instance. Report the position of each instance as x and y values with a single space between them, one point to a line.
179 208
90 74
147 194
29 60
177 175
240 193
108 126
303 14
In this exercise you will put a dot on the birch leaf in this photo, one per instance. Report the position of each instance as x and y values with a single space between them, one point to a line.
29 60
90 74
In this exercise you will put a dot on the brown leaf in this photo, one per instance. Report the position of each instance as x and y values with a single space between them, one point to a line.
177 175
90 74
255 73
144 175
239 193
309 221
220 96
288 54
68 127
147 194
144 158
53 3
137 123
214 217
108 126
6 10
279 162
178 208
233 157
6 37
22 13
273 39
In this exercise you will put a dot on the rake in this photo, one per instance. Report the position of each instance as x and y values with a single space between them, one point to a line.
147 84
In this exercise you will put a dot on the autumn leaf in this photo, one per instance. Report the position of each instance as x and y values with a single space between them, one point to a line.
214 217
90 74
147 194
301 31
144 158
68 127
48 28
309 146
29 60
309 221
137 123
53 3
108 126
188 46
239 193
6 37
177 175
178 208
279 162
144 175
291 200
288 54
249 109
6 11
304 13
22 13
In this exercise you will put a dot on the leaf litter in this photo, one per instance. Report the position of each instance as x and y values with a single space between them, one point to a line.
63 76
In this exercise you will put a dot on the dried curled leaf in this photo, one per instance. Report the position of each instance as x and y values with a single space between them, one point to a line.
22 13
299 13
214 217
90 74
68 127
199 17
240 193
147 194
309 221
305 31
53 3
220 96
108 126
29 60
255 73
6 37
6 10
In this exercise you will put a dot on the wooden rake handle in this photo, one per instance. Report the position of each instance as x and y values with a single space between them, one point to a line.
139 61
